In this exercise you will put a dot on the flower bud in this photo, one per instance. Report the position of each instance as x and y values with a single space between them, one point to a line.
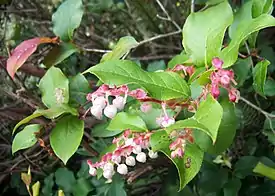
100 101
215 91
130 160
92 171
96 111
216 62
118 102
225 80
110 111
108 174
122 169
108 166
141 157
129 142
146 107
116 159
153 155
137 149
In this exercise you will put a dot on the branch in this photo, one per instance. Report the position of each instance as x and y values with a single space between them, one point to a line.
192 6
96 50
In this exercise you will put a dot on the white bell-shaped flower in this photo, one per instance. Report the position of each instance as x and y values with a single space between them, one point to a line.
141 157
152 155
110 111
119 102
122 169
96 111
130 160
100 101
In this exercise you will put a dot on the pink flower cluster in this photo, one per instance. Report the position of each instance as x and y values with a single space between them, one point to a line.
188 70
223 78
100 99
129 149
177 147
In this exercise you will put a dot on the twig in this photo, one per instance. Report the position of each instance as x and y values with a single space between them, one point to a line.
147 58
266 114
167 15
192 6
159 37
248 52
96 50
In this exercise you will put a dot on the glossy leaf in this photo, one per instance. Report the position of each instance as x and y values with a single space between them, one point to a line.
123 46
65 179
36 189
59 53
78 88
244 166
48 185
265 170
49 113
203 40
259 76
82 187
160 85
54 87
232 187
101 130
67 18
178 59
269 89
227 129
26 138
230 53
156 66
66 137
160 142
242 70
23 51
124 121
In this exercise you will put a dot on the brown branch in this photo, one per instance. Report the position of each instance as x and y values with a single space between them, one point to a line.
32 70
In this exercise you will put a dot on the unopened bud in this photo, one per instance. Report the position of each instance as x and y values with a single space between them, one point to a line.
100 101
122 169
152 155
130 160
141 157
96 111
110 111
167 122
216 62
118 102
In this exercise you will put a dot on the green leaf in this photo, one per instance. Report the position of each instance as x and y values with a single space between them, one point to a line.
49 113
124 121
203 40
59 53
156 66
265 171
209 114
78 89
66 137
82 187
67 18
35 189
259 76
242 70
160 142
26 138
232 187
48 185
269 89
244 166
160 85
54 87
123 46
261 7
65 179
177 60
227 129
100 130
206 119
230 54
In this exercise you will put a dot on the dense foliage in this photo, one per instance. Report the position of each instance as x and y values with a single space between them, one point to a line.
200 123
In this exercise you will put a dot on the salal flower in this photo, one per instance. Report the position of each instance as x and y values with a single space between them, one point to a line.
152 154
119 102
110 111
100 101
96 111
122 169
130 160
141 157
217 62
108 174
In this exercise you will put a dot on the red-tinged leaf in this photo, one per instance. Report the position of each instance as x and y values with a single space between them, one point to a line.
22 52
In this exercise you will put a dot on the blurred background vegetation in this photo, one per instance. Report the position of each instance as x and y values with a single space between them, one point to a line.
104 22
